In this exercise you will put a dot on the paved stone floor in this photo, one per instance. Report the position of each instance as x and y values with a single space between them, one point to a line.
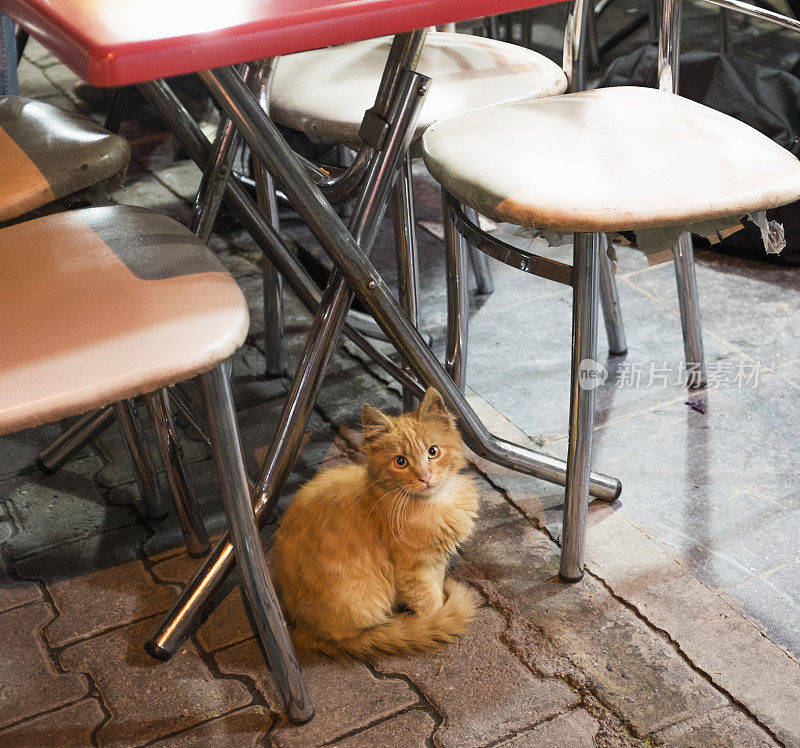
683 633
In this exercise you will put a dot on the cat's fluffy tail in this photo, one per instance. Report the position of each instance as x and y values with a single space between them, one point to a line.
405 632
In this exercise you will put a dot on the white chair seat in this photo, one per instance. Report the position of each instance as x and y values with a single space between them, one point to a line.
325 92
606 160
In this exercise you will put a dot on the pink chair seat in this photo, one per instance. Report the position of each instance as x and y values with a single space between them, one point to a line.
48 153
102 304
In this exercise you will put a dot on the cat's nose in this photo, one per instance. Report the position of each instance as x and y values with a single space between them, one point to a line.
426 478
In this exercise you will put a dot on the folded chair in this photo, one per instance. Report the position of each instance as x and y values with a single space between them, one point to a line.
605 160
103 304
49 154
324 94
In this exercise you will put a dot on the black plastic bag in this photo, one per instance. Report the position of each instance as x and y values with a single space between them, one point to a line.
765 98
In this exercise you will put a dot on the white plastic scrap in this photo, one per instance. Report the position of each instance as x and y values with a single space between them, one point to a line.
772 233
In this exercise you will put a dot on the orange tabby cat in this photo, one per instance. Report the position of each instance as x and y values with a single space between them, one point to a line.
361 542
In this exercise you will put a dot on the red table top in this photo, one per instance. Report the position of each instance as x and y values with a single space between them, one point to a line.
115 42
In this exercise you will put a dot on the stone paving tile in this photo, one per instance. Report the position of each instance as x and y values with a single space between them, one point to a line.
407 730
58 508
33 83
61 77
13 592
576 729
31 683
583 631
346 695
246 727
535 358
774 601
7 524
477 677
149 699
96 584
143 189
717 638
719 487
182 177
721 728
753 292
18 451
72 725
37 54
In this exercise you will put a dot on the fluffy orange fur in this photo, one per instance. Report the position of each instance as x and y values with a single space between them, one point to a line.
361 543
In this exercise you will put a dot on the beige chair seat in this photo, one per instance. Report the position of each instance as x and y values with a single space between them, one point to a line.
606 160
48 153
102 304
325 92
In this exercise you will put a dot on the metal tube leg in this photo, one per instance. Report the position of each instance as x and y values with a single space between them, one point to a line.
405 239
479 260
361 276
188 412
155 504
261 85
457 300
221 415
322 339
689 305
581 406
52 458
193 140
273 285
186 509
615 330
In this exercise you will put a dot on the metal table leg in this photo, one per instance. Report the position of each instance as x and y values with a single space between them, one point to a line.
352 263
319 347
192 139
221 414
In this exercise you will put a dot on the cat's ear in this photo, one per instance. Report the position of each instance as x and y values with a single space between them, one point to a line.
374 422
433 406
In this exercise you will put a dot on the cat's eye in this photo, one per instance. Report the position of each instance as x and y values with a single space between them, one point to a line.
433 451
400 461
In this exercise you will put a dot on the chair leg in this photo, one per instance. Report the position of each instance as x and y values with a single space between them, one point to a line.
615 330
155 504
218 400
273 285
479 260
169 447
116 110
457 300
581 406
51 458
689 305
405 242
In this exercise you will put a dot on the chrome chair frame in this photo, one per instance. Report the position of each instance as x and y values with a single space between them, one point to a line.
388 129
590 271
